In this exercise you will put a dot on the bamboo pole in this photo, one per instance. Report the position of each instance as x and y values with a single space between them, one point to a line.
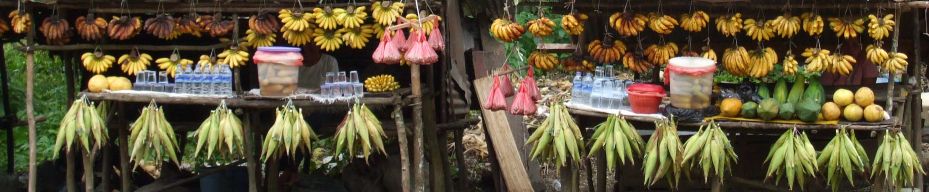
8 114
404 144
70 184
252 162
418 157
917 71
88 172
125 172
30 111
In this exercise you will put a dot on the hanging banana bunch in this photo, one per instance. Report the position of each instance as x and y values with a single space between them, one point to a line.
843 155
876 54
96 62
360 133
425 25
541 27
761 61
736 60
786 25
710 149
628 24
759 30
256 40
295 20
299 38
618 139
290 134
813 24
708 53
880 27
352 17
694 22
661 23
577 62
729 25
842 64
895 161
21 21
660 53
124 27
90 28
635 61
220 132
663 154
386 12
327 17
56 30
187 24
790 63
358 37
216 25
328 40
133 62
234 57
817 60
557 139
847 28
162 26
264 23
81 127
207 61
170 64
896 63
506 30
606 51
542 60
152 138
573 23
792 156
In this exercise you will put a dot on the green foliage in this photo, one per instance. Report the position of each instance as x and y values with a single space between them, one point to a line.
517 52
50 98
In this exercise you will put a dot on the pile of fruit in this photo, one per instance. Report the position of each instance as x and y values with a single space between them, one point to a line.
98 83
805 101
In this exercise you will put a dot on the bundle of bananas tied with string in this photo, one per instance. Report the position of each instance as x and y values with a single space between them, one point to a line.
843 155
386 12
170 64
895 161
299 38
162 26
541 27
661 23
216 25
792 156
381 83
328 40
206 62
265 23
83 126
729 25
234 57
759 30
96 62
694 22
817 59
880 27
664 154
290 134
761 61
360 133
636 61
90 28
357 37
21 21
557 139
708 53
619 141
847 28
187 24
786 25
790 63
506 30
606 51
426 26
543 60
255 39
813 24
124 27
710 149
628 24
895 63
327 17
220 132
133 62
736 60
572 23
841 64
352 17
576 63
298 27
56 30
876 54
661 53
152 138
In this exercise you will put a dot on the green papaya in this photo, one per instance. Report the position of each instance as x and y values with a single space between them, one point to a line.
763 91
786 111
780 91
815 92
808 110
796 92
748 109
767 109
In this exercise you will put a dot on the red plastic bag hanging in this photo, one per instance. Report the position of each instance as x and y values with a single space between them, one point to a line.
386 52
531 87
399 40
495 100
436 40
505 84
523 104
421 53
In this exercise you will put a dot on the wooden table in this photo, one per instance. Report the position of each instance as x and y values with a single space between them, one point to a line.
754 125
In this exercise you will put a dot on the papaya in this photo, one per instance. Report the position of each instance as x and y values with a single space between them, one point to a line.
767 109
749 109
763 91
786 111
796 92
730 107
815 93
780 91
808 110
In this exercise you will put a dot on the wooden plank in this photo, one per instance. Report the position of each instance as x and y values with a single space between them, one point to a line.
231 102
508 155
867 126
557 47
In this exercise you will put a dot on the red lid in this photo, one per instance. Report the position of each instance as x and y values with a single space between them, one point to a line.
645 88
692 65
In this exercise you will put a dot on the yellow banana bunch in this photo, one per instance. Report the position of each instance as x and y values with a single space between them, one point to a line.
378 31
842 64
327 18
328 40
577 63
846 28
295 20
220 132
256 40
506 30
352 17
83 126
426 25
761 62
234 57
21 21
152 137
759 30
558 139
710 150
736 60
360 130
661 24
880 27
132 63
542 60
812 23
636 61
786 25
843 155
694 22
628 24
659 54
170 64
896 63
618 139
96 62
572 23
664 154
207 62
358 37
896 161
792 156
541 27
790 64
386 12
817 59
381 83
606 52
729 25
299 38
709 54
290 134
876 54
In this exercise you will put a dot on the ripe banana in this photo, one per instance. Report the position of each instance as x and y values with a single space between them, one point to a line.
813 24
90 28
661 24
660 53
134 62
761 61
636 61
628 24
842 64
880 27
234 57
386 12
358 37
729 25
352 17
790 64
170 64
256 40
847 27
694 22
573 23
506 30
576 63
381 83
542 60
786 25
817 60
299 38
708 53
759 30
96 62
296 20
896 63
328 40
604 52
327 17
541 27
736 61
876 54
21 21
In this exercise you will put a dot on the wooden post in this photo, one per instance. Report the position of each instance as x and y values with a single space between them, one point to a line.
8 114
917 104
105 168
404 144
601 172
70 184
124 169
252 161
273 174
717 185
30 111
236 75
418 157
88 172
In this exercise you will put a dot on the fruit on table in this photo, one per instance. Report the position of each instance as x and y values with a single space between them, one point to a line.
767 109
381 83
873 113
786 111
730 107
796 91
749 109
864 96
120 83
815 92
842 97
808 110
763 91
831 111
780 91
97 83
852 112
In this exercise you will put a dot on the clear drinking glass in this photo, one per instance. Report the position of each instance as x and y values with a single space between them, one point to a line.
353 77
140 81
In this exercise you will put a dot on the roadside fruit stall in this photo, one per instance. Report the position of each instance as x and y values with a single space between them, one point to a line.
650 92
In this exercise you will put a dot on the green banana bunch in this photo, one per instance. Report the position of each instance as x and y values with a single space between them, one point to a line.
152 137
618 138
360 130
81 125
663 154
289 133
845 155
896 161
222 132
792 156
712 146
557 138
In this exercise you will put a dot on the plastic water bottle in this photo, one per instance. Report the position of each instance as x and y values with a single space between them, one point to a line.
225 84
578 88
607 98
178 79
196 80
588 88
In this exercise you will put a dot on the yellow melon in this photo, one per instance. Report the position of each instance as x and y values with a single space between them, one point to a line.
730 107
852 112
121 83
873 113
864 96
97 83
843 97
831 111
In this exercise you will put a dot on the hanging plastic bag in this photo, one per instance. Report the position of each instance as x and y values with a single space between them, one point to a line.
495 100
386 52
436 40
523 104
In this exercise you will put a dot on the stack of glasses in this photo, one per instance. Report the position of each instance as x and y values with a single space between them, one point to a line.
147 81
338 86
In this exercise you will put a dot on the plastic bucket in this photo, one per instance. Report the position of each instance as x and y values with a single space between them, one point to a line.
645 98
278 69
691 81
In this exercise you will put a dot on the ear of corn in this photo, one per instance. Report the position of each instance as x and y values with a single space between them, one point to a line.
843 156
557 139
793 157
152 139
895 162
360 133
80 126
220 132
710 149
289 134
618 140
663 154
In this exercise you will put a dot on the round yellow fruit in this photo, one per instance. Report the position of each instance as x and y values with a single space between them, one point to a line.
831 111
730 107
121 83
843 97
852 112
97 83
873 113
111 79
864 96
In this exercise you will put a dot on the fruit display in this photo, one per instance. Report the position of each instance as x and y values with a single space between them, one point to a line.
506 30
895 63
558 139
759 30
880 27
628 24
161 26
386 12
660 53
255 39
842 64
328 40
133 62
97 84
729 25
761 61
895 162
577 63
152 138
710 150
352 17
21 21
636 62
187 24
542 60
708 53
876 54
234 57
572 23
96 62
118 83
664 154
813 24
606 51
817 59
843 156
326 17
790 64
290 134
381 83
426 26
264 23
123 27
541 27
618 139
299 38
661 23
82 127
90 28
846 27
360 133
787 25
694 22
357 37
736 60
56 30
170 63
221 132
792 156
215 25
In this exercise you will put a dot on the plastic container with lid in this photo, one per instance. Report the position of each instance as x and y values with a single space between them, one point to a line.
278 69
691 81
645 98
